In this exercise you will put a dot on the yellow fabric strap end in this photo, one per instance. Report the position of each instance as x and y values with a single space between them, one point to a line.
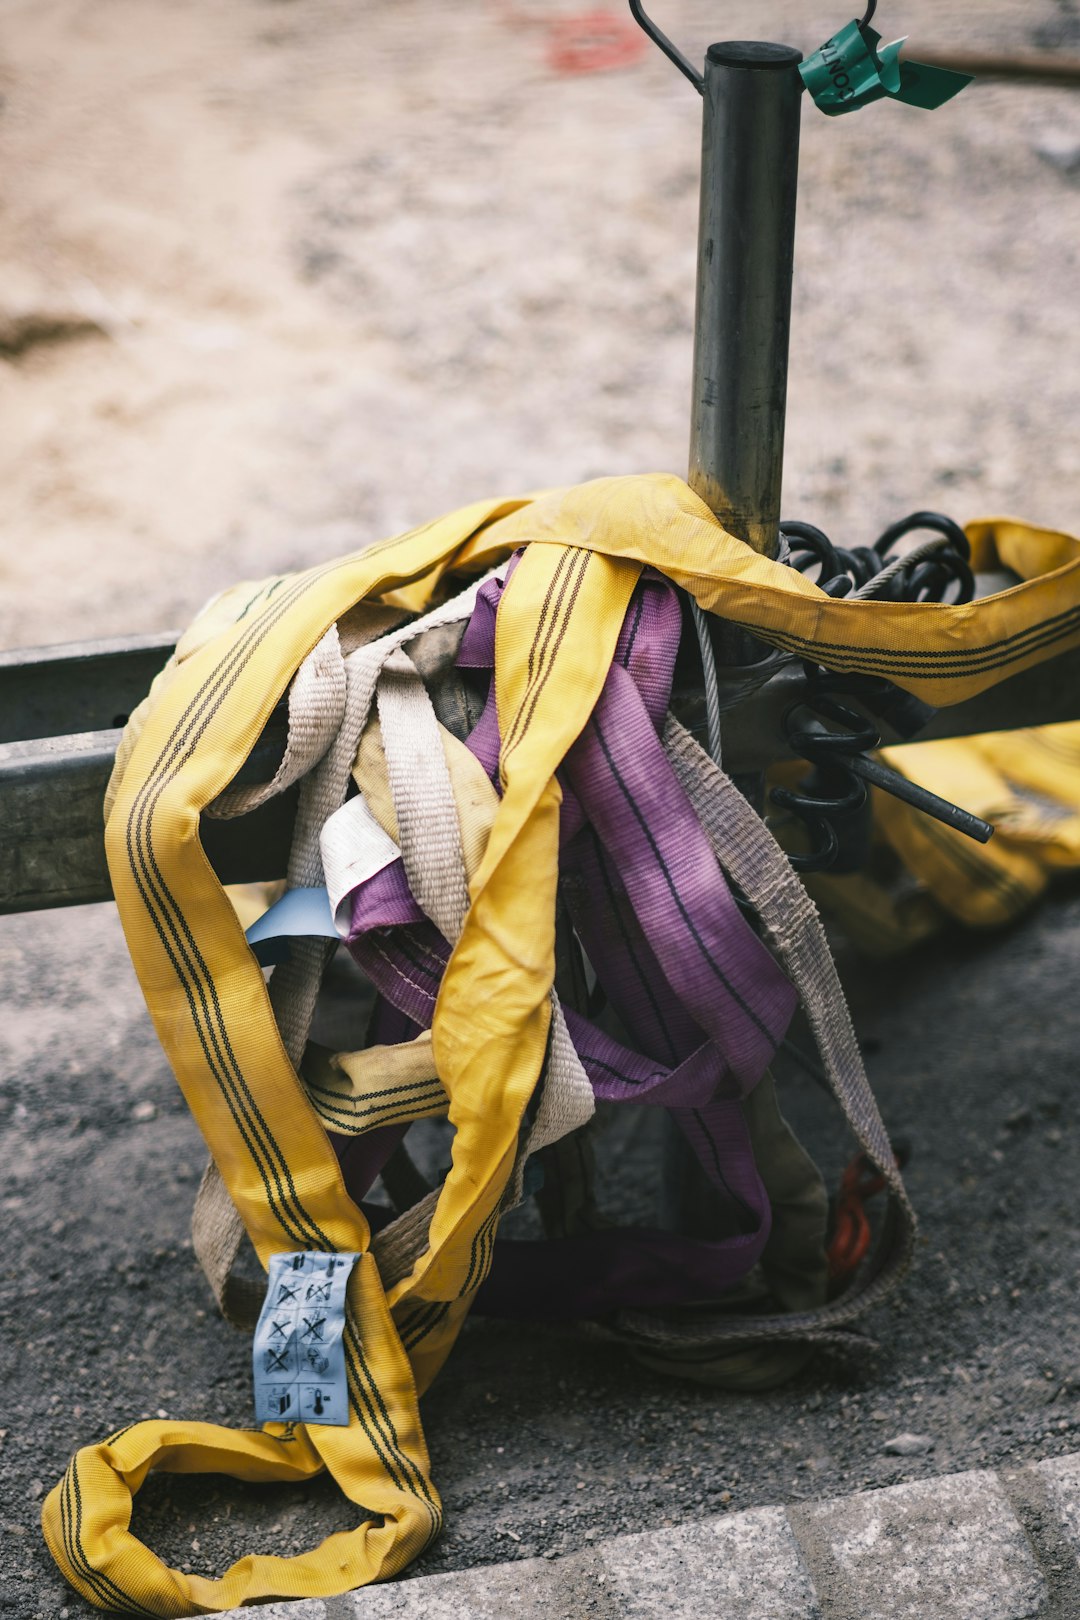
983 885
357 1092
1026 783
1042 769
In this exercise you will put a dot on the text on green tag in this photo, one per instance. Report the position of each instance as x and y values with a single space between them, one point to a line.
850 71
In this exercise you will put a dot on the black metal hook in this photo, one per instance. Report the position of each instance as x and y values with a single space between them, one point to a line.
844 765
673 53
642 18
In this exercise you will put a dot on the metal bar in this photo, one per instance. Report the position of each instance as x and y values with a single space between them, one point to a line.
746 245
52 850
931 804
671 51
84 686
52 845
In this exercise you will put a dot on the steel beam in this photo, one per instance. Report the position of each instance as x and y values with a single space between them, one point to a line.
52 832
84 686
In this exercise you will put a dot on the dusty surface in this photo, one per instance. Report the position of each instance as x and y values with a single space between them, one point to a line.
277 278
314 272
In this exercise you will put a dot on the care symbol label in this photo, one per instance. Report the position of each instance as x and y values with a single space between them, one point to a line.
298 1354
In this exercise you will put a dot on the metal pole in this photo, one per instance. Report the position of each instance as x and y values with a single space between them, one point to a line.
746 244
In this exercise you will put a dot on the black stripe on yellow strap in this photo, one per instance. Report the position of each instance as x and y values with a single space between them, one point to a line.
483 1244
366 1418
84 1580
425 1322
374 1396
487 1254
943 663
300 1229
548 634
1067 752
106 1591
350 1108
410 1313
119 1435
981 870
869 661
386 1450
556 635
203 706
359 1123
541 628
435 1099
346 1124
365 1096
187 960
407 1311
375 1420
143 867
1058 624
263 594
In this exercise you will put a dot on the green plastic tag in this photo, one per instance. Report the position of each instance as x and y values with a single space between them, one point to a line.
850 71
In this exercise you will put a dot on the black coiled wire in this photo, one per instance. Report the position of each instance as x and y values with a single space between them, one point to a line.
929 579
832 803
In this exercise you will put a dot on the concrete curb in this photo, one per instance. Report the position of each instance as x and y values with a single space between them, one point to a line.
982 1545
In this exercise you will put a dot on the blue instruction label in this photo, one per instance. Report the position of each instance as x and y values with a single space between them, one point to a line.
298 1352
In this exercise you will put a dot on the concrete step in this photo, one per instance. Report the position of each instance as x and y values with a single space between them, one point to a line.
981 1545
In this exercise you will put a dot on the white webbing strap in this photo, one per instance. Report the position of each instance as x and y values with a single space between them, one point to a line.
316 710
423 796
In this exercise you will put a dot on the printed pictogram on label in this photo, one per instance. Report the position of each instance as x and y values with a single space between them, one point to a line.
298 1354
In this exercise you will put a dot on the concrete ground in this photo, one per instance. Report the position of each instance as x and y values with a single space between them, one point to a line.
973 1546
